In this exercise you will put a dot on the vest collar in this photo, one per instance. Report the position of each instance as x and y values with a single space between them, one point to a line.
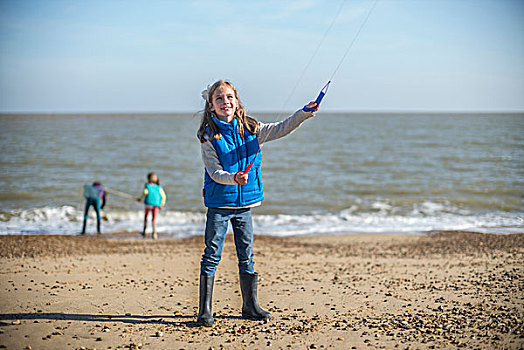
223 125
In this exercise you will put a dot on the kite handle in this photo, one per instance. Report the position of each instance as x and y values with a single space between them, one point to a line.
319 98
247 169
251 164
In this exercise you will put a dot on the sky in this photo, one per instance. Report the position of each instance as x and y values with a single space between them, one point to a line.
157 56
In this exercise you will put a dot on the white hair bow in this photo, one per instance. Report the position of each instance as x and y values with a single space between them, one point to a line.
205 93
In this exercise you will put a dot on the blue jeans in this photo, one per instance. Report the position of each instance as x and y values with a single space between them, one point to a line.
216 229
95 203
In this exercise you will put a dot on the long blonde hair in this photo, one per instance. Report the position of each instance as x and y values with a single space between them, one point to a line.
207 115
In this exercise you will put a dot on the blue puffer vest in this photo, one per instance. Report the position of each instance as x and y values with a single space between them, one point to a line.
235 154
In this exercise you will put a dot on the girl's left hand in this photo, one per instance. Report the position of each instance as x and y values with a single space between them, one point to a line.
312 104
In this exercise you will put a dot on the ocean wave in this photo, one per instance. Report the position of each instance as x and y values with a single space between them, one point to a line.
379 217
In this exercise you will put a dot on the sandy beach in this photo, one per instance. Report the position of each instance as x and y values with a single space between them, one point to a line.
440 290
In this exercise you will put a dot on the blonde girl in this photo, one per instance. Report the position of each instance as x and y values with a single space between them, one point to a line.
230 142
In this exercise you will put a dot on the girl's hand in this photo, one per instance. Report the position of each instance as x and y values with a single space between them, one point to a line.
241 178
312 104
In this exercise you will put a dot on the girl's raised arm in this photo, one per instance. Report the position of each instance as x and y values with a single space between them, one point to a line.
274 131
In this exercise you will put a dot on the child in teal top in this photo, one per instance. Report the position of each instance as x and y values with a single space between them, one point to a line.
154 199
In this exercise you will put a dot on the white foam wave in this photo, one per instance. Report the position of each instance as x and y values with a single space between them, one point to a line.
378 218
68 220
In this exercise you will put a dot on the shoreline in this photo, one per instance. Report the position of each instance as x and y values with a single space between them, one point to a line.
438 290
59 245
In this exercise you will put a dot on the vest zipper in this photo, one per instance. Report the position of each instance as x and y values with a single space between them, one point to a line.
235 135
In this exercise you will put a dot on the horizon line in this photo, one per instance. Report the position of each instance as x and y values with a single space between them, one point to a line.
363 111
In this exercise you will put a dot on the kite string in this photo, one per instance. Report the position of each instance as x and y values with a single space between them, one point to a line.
318 49
353 41
313 56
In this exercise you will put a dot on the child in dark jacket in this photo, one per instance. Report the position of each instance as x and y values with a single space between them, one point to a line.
94 194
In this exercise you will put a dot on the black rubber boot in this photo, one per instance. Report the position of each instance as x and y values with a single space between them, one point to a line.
250 308
98 223
205 315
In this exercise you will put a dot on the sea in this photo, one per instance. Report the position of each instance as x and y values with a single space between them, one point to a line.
339 173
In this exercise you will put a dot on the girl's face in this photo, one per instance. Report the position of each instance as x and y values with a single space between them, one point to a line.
224 103
153 178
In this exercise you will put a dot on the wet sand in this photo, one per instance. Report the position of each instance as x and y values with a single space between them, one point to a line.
441 290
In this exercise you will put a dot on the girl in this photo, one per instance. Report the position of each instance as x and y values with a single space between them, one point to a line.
230 142
154 199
